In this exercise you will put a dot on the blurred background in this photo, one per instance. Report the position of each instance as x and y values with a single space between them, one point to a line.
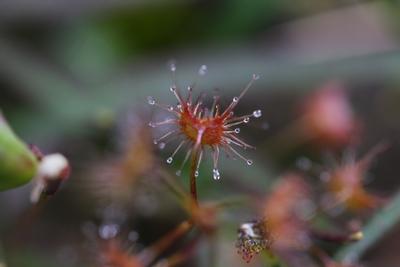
75 76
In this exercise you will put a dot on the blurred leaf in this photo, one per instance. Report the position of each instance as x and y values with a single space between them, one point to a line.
375 229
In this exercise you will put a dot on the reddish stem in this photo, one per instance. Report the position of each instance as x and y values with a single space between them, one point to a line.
193 166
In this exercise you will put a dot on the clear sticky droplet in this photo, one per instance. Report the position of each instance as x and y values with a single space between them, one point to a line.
216 175
190 88
203 70
170 108
155 141
249 162
108 231
246 120
169 160
237 130
235 99
172 88
172 66
151 100
257 113
256 77
178 173
161 145
196 173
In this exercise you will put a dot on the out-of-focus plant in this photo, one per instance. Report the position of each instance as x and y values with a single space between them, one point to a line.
21 163
18 165
345 184
289 213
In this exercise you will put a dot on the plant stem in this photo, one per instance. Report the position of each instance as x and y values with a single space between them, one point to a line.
149 254
194 165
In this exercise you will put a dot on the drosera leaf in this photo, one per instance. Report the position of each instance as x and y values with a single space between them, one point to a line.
18 165
375 229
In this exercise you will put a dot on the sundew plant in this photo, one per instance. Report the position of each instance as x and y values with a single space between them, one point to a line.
280 151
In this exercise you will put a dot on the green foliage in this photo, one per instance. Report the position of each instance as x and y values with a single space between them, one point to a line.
17 163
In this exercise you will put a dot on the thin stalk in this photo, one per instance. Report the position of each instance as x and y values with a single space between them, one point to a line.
193 166
181 256
149 254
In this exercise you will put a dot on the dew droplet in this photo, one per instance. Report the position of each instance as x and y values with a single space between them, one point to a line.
249 162
151 100
196 173
235 99
257 113
178 173
203 70
172 66
216 174
246 120
169 160
237 130
256 77
161 145
108 231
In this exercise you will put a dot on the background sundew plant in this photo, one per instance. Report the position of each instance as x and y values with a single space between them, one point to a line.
294 166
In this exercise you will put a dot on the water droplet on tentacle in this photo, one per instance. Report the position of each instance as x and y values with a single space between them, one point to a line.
161 145
172 66
203 70
257 113
151 100
216 174
169 160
